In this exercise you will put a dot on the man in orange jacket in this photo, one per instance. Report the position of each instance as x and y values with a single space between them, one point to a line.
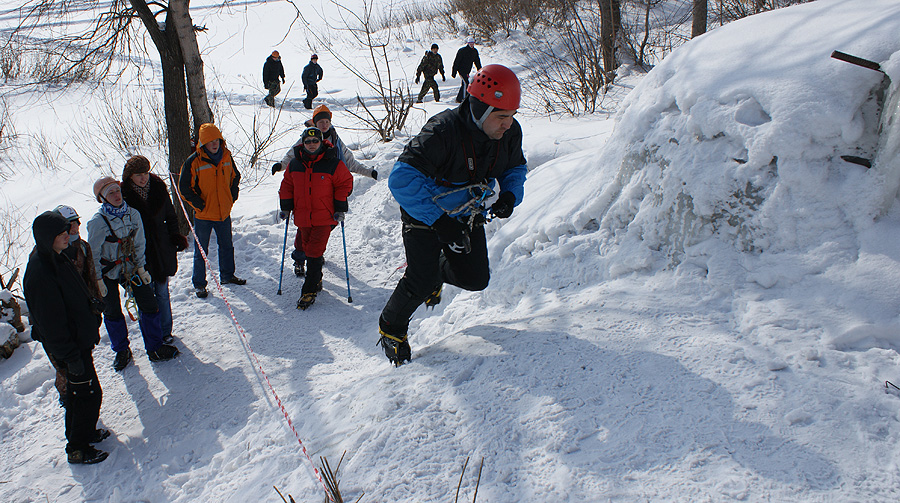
209 183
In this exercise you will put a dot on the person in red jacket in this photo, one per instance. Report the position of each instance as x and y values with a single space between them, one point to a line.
315 188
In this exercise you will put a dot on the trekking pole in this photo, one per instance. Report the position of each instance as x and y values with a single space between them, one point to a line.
346 267
287 223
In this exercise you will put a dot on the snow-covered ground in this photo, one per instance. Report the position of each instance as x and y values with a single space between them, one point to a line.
698 305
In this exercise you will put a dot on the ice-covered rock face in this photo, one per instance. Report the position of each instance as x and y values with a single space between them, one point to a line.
738 137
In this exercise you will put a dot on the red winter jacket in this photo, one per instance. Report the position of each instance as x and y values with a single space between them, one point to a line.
315 187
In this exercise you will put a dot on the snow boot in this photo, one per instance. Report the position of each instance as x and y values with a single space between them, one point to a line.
306 300
87 456
435 297
201 292
163 353
100 435
123 358
395 347
234 280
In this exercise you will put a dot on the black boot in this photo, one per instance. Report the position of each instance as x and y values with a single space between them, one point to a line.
100 435
306 300
123 358
164 353
87 456
395 347
435 297
299 270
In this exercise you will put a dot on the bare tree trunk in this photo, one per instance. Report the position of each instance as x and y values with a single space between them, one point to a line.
700 10
607 39
180 16
174 97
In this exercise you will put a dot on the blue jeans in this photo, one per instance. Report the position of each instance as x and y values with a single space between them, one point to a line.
161 290
204 228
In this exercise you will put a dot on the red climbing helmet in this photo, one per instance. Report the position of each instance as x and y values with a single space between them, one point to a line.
496 86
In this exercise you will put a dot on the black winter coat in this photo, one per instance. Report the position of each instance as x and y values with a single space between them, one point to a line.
272 70
312 74
160 226
465 57
456 127
59 304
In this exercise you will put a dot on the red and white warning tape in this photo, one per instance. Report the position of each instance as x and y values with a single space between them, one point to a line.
243 336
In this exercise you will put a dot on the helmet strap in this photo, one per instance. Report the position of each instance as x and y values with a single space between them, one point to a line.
480 121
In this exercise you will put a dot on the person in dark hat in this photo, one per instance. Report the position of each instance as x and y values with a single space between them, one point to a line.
147 193
317 202
431 64
272 70
321 119
312 74
66 320
79 252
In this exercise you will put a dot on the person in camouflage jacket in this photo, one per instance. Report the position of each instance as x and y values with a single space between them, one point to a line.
430 65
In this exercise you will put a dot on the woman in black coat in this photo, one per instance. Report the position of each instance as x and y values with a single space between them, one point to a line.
148 194
65 320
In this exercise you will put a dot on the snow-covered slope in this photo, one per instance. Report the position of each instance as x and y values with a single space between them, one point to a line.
671 316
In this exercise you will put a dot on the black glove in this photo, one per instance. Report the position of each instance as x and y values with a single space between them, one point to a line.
453 233
375 174
338 216
179 241
503 208
276 167
283 214
75 368
444 77
282 80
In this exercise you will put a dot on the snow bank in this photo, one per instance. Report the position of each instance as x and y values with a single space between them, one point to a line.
714 149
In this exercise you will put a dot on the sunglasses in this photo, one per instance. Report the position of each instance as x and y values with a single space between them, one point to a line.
311 142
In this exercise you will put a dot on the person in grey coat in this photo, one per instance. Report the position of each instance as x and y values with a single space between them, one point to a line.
116 236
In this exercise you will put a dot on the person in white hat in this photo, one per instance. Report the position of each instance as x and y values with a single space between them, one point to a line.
466 56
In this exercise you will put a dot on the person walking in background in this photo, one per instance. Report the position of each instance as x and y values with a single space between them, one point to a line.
148 194
315 188
80 254
321 119
442 181
65 319
466 56
312 74
431 64
209 182
116 236
272 70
